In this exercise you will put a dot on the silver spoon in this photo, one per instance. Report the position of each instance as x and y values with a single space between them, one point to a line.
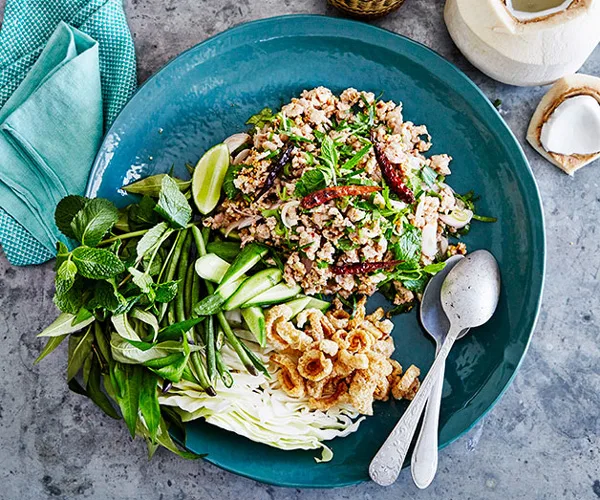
470 295
425 454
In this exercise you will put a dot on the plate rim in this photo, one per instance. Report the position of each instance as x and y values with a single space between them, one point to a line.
359 29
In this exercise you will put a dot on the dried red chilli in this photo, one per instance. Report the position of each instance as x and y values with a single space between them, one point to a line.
284 158
331 193
364 267
392 173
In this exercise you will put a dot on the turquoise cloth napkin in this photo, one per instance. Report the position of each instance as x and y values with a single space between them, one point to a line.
59 88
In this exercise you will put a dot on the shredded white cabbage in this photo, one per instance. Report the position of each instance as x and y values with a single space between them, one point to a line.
257 408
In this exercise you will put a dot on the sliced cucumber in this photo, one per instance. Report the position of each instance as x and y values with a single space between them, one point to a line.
321 305
211 267
255 320
276 295
246 260
214 303
253 286
298 305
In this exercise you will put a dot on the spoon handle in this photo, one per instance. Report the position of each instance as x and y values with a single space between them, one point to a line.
387 463
424 460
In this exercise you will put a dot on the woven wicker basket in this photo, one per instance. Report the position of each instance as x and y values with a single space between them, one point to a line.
367 8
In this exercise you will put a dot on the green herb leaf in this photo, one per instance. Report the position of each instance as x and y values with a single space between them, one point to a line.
152 238
329 154
64 325
128 380
149 404
53 343
311 181
104 297
408 247
94 391
166 292
93 221
72 300
355 160
142 280
172 204
65 212
260 119
228 186
96 263
151 186
142 214
65 277
80 347
62 254
434 268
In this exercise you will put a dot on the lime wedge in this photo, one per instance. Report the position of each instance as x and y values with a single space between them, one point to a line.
208 178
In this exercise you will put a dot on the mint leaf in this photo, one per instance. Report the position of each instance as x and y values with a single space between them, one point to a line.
104 297
166 292
311 180
142 280
65 212
96 263
72 300
65 277
172 204
62 253
434 268
93 221
408 247
151 239
228 186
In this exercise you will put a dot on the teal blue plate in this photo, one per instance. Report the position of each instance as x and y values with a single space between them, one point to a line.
208 92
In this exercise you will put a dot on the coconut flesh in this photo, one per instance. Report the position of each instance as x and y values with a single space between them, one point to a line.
573 127
524 42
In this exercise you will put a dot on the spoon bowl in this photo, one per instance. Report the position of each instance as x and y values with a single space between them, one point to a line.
471 291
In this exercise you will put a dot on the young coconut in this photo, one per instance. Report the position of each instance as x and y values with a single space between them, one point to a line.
565 128
525 42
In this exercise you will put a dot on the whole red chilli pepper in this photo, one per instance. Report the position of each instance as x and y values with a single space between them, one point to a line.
284 158
364 267
331 193
392 172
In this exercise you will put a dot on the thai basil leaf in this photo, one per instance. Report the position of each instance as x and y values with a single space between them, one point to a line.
151 186
96 263
65 212
93 221
129 381
53 343
172 204
149 403
80 347
64 325
142 214
87 368
94 391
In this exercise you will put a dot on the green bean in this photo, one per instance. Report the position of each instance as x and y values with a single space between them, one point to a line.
224 372
181 275
197 363
231 338
211 362
173 263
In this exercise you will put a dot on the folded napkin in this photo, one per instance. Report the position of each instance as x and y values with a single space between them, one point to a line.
59 88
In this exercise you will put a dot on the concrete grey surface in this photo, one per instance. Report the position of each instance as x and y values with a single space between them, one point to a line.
540 442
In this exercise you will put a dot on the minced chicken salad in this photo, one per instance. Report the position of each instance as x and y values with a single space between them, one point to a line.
240 296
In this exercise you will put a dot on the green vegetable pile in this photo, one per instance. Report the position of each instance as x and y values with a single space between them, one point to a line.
137 316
